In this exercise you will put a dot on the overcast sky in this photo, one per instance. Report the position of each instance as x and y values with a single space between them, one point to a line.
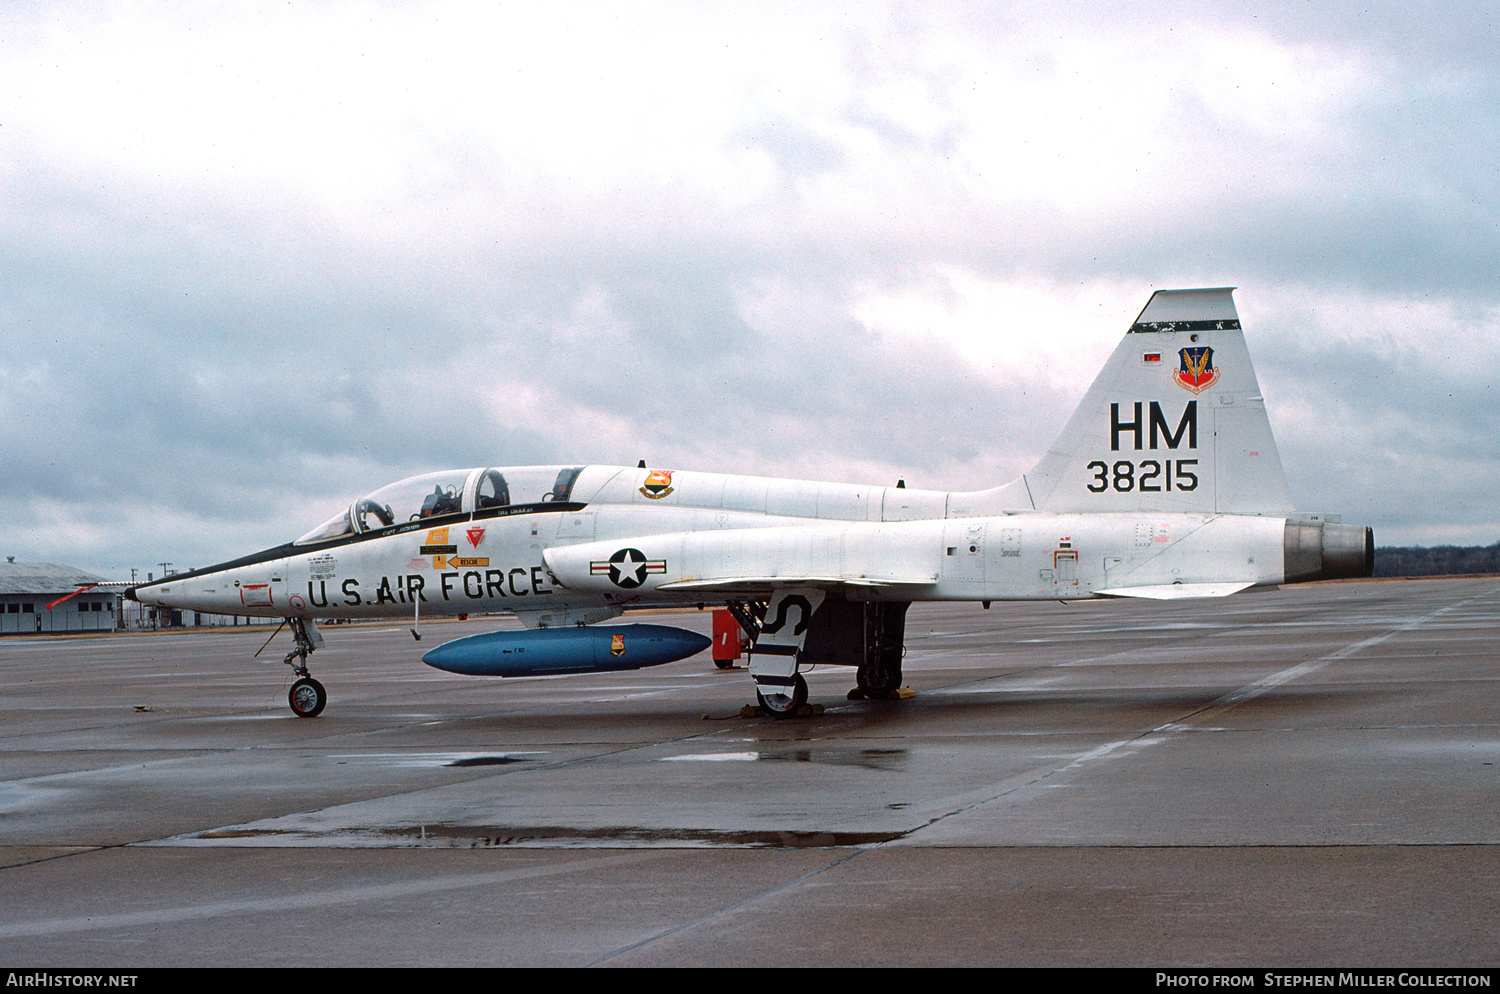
259 259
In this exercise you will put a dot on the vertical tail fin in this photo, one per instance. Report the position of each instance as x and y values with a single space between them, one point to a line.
1174 422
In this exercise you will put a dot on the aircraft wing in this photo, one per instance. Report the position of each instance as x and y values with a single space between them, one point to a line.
758 560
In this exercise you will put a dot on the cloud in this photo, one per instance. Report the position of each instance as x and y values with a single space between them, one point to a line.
254 263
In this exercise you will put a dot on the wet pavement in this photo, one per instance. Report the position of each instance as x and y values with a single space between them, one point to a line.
1295 777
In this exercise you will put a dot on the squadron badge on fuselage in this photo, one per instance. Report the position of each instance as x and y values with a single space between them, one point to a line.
658 484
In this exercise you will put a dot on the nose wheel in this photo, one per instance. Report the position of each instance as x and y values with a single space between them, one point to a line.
307 698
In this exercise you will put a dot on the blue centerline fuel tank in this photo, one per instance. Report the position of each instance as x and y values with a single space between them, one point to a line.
552 651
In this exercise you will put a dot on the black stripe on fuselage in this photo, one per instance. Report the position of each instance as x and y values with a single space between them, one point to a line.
423 524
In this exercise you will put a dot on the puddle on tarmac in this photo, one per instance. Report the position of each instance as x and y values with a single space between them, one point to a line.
488 761
873 759
489 836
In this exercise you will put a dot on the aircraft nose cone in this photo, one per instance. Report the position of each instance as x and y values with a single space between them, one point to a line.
147 593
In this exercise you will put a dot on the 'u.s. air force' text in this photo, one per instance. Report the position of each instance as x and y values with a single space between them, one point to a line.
1148 432
411 588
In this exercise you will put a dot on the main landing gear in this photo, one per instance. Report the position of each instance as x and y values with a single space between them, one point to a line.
307 696
867 635
784 705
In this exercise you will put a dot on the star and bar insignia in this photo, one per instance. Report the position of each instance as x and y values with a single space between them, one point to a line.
627 568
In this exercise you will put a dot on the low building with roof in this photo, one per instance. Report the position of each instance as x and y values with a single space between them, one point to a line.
26 590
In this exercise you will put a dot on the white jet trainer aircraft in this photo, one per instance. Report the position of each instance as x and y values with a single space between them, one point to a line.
1165 483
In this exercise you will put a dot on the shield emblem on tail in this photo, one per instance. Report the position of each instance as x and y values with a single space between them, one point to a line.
1195 372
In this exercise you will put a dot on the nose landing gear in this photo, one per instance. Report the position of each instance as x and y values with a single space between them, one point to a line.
307 696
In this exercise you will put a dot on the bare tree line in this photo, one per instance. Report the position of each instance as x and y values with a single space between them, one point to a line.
1440 560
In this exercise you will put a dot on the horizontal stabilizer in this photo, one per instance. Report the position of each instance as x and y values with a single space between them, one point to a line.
1176 591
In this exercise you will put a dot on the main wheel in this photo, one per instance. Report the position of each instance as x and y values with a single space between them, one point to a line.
307 698
784 705
886 682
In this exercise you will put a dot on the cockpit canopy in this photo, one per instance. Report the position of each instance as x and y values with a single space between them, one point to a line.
450 493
